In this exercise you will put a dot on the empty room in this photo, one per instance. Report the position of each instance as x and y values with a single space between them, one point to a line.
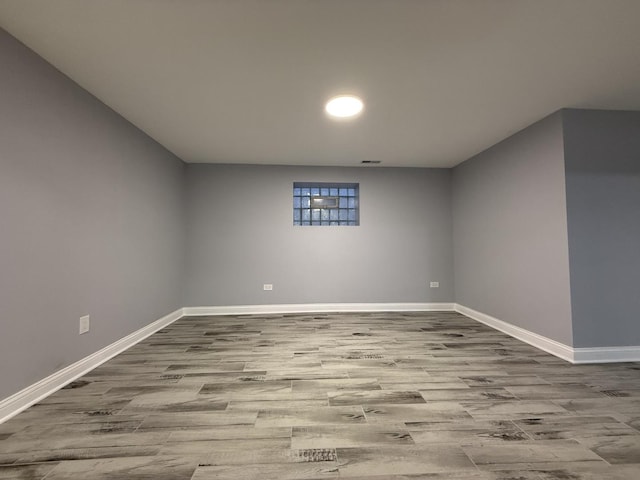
315 239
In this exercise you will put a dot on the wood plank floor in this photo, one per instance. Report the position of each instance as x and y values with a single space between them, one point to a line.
314 396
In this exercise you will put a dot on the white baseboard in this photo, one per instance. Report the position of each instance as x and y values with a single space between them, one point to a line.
573 355
316 308
20 401
543 343
606 354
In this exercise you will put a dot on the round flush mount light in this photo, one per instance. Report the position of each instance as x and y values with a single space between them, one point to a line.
344 107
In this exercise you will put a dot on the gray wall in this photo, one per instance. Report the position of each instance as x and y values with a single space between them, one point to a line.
240 236
602 158
510 232
91 221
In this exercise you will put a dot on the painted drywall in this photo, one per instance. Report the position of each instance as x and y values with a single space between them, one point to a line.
602 158
510 232
91 219
241 236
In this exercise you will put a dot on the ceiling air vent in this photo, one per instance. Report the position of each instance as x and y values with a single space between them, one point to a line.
370 162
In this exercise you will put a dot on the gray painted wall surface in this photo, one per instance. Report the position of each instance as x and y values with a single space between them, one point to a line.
510 232
91 222
602 155
241 236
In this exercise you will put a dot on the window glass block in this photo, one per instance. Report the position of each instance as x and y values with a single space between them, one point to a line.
336 204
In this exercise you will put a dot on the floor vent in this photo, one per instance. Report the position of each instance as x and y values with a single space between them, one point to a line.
316 455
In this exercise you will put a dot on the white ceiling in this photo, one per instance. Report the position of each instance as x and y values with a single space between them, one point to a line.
244 81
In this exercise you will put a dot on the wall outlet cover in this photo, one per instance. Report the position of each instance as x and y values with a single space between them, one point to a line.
267 286
85 323
434 284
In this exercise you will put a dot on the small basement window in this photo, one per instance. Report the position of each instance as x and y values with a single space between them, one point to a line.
325 204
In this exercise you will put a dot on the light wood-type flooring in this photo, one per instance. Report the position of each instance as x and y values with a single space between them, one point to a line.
316 396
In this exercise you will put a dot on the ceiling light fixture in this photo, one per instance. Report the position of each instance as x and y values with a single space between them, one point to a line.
344 106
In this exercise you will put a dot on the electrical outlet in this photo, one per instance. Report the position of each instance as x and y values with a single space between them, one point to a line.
434 284
267 286
85 323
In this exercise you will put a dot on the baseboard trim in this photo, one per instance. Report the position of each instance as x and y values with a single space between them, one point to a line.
606 354
11 406
570 354
539 341
22 400
315 308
